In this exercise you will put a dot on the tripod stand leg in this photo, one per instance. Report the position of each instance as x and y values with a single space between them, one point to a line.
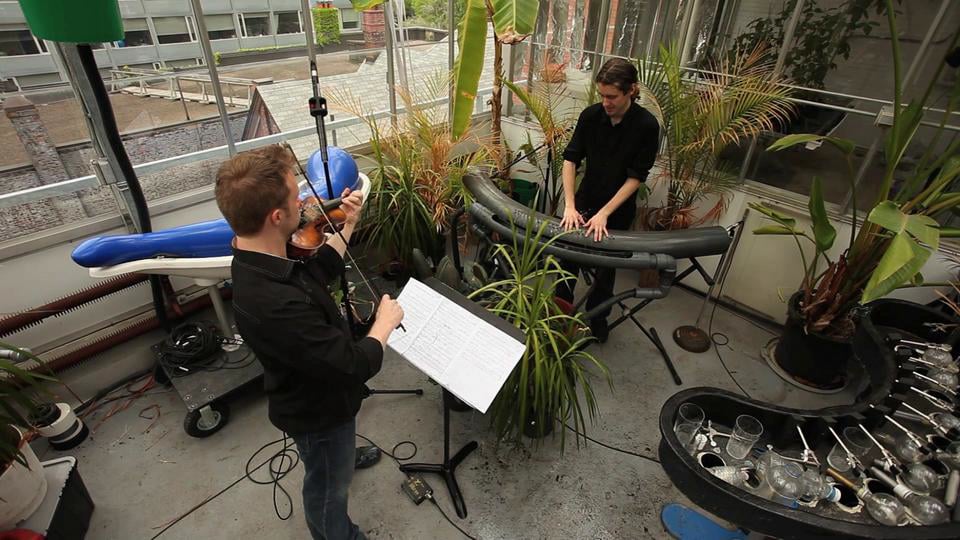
462 454
654 338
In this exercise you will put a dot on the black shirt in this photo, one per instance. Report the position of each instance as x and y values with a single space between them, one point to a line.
614 153
314 372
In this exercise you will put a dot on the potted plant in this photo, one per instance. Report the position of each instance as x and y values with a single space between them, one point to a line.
551 383
886 251
22 483
738 98
822 37
418 174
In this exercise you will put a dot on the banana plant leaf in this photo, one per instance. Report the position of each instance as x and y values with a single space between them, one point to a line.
469 65
514 20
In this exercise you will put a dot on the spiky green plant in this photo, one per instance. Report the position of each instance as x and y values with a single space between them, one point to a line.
737 99
543 103
17 387
418 178
544 385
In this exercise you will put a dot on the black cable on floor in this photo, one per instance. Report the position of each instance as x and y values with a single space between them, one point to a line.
281 463
716 345
614 448
235 482
393 454
444 514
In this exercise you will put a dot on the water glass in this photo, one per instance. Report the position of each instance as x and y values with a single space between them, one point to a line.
687 424
746 432
857 442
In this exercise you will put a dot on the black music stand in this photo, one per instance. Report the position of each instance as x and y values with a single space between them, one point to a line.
448 467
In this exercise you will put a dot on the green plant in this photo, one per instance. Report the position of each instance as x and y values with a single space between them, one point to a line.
513 21
216 57
327 24
418 175
16 404
900 233
821 38
737 99
434 12
543 103
548 382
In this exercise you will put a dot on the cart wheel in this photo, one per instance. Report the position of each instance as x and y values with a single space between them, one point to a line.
207 420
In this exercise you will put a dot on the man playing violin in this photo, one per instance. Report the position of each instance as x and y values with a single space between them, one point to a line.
314 370
619 139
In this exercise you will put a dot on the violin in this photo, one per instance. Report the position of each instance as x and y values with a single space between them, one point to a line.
318 219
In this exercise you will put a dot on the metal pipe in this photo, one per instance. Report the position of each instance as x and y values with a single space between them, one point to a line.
653 29
208 58
918 58
451 30
90 181
600 43
391 68
725 263
777 70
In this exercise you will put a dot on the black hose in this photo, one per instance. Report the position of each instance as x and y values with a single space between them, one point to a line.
142 214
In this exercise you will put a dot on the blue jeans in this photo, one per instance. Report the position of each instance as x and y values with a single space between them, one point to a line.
328 459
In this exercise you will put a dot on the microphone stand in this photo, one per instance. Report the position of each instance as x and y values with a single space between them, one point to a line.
318 109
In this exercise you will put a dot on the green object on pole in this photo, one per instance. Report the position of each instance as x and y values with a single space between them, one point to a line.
74 21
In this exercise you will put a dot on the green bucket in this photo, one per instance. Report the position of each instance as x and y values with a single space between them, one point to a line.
74 21
524 191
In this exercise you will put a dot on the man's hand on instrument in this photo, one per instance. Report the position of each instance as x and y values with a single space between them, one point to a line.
352 204
597 226
571 219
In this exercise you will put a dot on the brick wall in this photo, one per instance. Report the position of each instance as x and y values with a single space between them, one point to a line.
142 148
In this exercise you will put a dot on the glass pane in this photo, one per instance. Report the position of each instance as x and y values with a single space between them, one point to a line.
170 25
256 24
134 24
288 22
350 19
17 42
220 26
135 38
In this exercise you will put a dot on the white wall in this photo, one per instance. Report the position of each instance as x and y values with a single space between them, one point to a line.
42 276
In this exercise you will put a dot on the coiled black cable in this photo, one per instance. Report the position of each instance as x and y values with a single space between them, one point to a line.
189 347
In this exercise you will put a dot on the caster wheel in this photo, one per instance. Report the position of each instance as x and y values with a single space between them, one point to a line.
206 421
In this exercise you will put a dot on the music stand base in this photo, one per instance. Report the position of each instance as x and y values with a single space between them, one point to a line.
448 472
691 338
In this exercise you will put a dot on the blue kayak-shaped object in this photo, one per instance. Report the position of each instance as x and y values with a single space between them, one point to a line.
204 239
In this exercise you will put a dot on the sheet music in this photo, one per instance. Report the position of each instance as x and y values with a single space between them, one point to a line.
465 354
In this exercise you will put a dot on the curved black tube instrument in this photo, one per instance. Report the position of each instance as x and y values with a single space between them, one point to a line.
701 241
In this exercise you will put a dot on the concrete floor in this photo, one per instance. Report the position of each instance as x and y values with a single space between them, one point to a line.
142 478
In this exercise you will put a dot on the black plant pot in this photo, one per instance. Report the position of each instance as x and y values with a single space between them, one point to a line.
534 430
812 359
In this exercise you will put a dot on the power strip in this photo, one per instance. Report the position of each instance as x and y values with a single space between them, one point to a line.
417 488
